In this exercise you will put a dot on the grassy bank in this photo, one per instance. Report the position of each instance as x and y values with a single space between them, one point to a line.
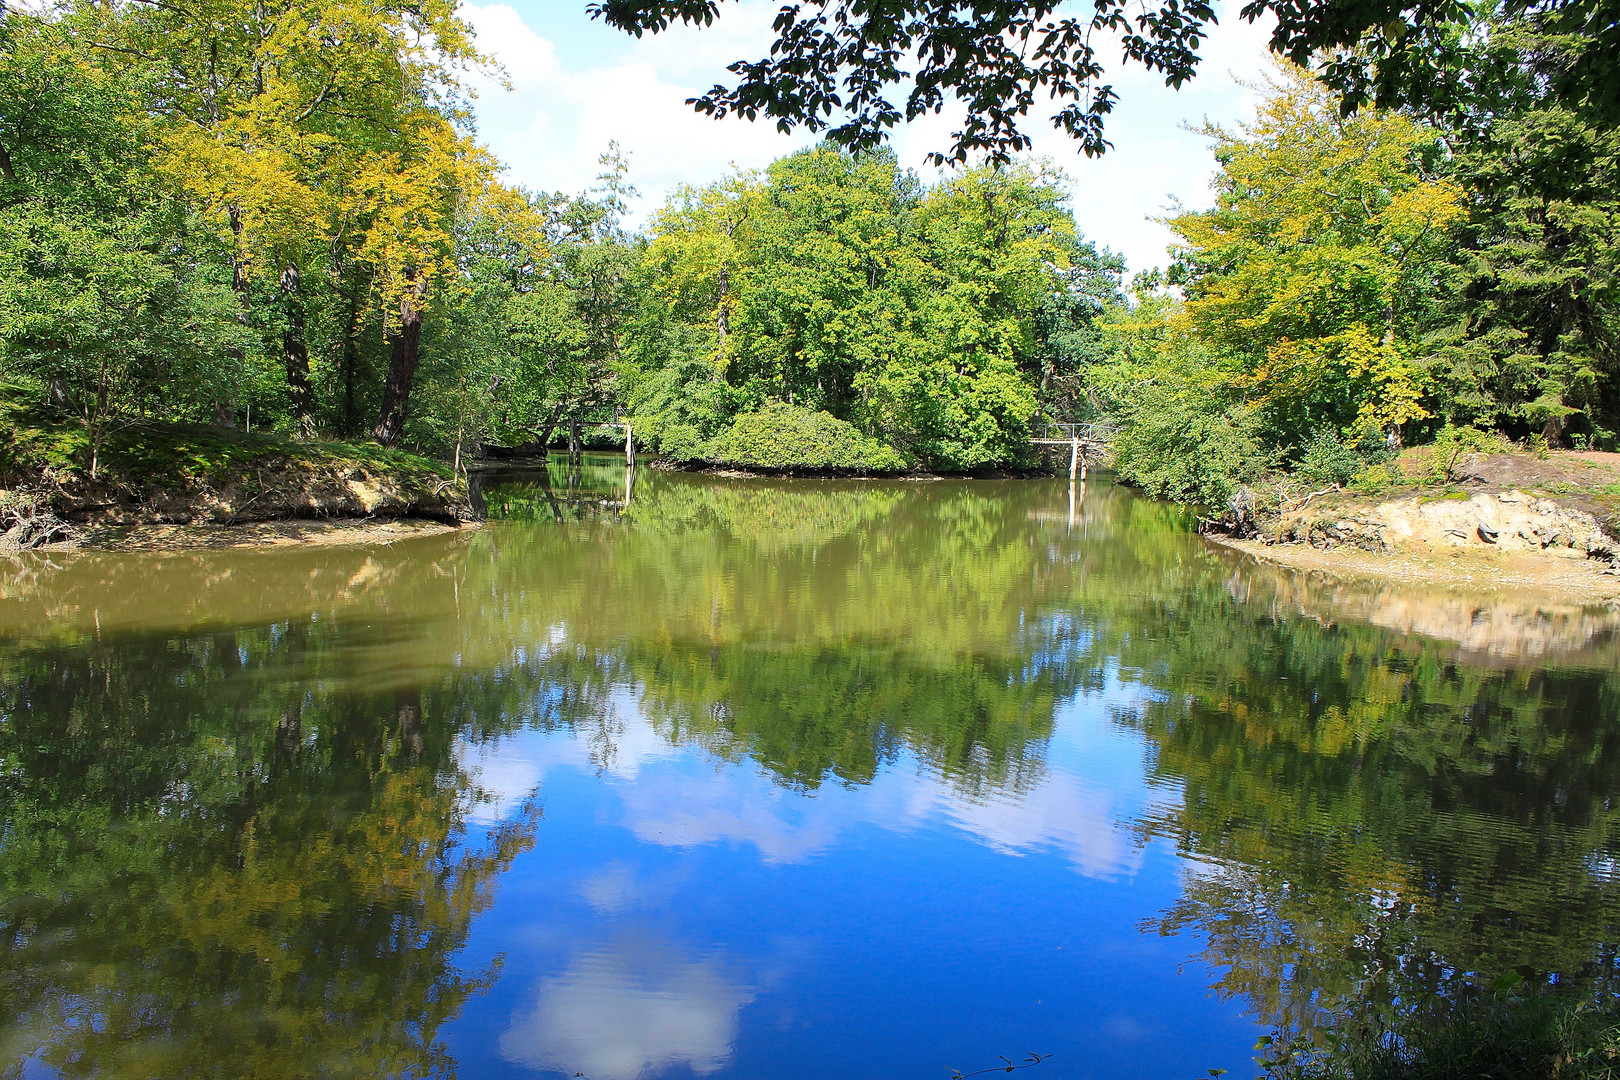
172 473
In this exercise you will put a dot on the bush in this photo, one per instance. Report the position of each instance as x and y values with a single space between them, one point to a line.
783 436
1191 449
682 442
1453 446
1375 480
1325 460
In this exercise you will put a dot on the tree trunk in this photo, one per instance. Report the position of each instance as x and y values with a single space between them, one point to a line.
544 441
722 319
225 405
295 351
351 360
407 343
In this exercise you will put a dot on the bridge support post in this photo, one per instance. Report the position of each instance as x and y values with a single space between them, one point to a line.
629 448
1074 457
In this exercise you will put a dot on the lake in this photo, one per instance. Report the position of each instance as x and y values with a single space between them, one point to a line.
751 778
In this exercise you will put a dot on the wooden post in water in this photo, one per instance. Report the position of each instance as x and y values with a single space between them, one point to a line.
629 448
1074 456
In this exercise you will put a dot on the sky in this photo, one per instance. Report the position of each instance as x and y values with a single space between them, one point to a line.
576 85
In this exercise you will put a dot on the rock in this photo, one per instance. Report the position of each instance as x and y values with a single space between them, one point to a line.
1512 521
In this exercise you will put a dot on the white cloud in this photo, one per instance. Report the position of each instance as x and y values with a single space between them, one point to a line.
564 110
670 796
567 104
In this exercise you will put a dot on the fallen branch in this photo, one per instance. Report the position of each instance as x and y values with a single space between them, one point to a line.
27 521
1283 501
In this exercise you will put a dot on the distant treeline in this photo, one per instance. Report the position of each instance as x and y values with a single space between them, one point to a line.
278 215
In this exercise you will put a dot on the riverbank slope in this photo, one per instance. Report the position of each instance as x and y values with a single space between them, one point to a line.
1503 519
189 476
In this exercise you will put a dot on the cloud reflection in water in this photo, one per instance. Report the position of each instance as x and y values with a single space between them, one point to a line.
634 1005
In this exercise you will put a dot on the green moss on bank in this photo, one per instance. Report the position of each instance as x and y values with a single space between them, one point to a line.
177 472
34 445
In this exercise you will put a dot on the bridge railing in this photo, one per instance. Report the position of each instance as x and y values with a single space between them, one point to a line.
1089 431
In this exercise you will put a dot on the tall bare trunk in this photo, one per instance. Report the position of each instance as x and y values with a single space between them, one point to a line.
407 343
722 319
350 361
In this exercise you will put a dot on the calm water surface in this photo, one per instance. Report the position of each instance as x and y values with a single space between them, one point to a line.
755 779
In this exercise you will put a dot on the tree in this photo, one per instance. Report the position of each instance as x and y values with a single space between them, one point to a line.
1000 248
829 276
1535 342
1319 267
837 282
272 115
106 294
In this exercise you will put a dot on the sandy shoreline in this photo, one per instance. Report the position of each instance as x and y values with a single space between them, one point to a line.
295 532
1569 577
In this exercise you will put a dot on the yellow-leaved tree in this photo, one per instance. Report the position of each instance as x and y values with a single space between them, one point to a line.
1318 268
310 131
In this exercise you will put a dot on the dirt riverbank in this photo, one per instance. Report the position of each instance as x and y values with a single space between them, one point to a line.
1508 520
288 533
1581 579
194 486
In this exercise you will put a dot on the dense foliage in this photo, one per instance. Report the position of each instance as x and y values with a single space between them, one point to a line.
1367 282
320 247
316 244
928 317
783 436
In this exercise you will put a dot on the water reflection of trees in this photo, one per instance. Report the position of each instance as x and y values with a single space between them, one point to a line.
277 812
1378 820
821 628
212 866
809 716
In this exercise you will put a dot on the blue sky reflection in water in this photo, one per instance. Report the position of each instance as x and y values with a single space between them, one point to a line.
767 778
688 914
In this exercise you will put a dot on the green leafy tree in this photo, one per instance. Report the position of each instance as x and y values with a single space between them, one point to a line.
928 318
1535 346
109 295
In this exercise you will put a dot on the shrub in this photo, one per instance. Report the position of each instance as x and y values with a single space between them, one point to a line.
1191 449
682 442
1374 480
783 436
1454 444
1325 459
